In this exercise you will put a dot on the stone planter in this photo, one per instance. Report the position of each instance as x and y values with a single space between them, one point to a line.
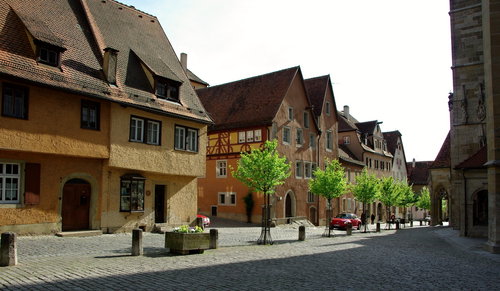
185 243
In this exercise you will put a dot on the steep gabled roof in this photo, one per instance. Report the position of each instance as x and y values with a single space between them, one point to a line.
391 137
83 29
443 159
316 90
367 127
346 155
418 175
476 161
345 125
248 102
195 78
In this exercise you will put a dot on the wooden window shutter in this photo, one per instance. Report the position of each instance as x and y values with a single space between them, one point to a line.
32 184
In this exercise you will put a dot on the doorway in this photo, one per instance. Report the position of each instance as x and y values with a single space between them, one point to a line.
289 204
75 205
160 204
313 215
214 211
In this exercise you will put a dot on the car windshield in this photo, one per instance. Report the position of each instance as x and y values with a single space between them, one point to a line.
342 215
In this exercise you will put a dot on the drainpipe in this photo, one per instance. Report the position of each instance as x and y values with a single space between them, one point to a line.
465 204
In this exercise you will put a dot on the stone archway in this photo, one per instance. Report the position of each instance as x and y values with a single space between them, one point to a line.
289 204
443 206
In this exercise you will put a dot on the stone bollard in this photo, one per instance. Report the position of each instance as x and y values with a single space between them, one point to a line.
349 229
214 239
302 233
199 222
8 249
397 224
420 222
411 223
137 249
378 227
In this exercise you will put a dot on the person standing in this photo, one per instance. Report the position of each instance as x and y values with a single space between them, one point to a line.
372 217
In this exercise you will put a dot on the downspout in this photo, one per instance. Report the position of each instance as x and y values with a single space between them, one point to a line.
318 159
465 204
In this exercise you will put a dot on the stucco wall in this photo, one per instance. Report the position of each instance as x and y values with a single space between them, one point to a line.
53 126
180 201
161 159
55 171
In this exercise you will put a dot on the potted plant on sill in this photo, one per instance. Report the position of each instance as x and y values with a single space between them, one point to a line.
185 239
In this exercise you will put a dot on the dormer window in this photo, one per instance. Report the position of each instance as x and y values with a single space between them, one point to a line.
167 89
49 55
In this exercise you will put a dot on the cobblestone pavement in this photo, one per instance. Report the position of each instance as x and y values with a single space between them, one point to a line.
413 258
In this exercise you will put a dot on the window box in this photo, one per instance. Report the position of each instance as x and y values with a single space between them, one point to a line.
184 243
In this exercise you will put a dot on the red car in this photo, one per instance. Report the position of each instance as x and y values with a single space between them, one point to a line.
341 221
206 220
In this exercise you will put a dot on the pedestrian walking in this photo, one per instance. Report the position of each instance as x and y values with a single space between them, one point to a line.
372 218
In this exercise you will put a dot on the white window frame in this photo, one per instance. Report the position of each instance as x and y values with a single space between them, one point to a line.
221 169
153 134
299 169
285 141
136 129
192 140
299 139
306 119
12 176
241 137
258 135
185 138
250 136
290 113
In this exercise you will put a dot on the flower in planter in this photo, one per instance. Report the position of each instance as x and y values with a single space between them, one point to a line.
188 229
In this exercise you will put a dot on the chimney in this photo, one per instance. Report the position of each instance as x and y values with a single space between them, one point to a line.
346 112
109 64
184 60
413 163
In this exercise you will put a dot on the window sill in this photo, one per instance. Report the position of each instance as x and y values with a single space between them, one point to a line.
10 205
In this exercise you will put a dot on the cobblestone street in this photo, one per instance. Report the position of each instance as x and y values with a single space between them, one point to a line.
412 258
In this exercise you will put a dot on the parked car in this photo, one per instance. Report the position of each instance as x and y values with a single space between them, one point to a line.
205 220
340 221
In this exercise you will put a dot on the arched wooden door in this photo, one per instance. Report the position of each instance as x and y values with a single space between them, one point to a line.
75 205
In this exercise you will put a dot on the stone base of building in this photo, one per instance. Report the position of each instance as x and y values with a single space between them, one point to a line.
492 247
32 229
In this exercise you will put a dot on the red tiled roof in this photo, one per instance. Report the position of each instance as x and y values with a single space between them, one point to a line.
476 161
85 28
249 102
443 158
345 125
418 175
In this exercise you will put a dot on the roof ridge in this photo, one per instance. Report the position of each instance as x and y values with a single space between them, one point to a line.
130 7
250 78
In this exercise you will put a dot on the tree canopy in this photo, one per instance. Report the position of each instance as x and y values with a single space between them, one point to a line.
262 169
329 183
366 188
424 199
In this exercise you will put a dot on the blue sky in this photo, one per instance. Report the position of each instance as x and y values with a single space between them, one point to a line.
389 60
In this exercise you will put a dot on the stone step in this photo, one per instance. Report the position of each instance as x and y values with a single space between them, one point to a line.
79 233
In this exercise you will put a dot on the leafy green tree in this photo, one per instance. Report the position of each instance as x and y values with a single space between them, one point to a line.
263 170
424 199
329 183
366 189
407 197
390 193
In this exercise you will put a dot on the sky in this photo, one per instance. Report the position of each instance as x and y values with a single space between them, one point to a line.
389 60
